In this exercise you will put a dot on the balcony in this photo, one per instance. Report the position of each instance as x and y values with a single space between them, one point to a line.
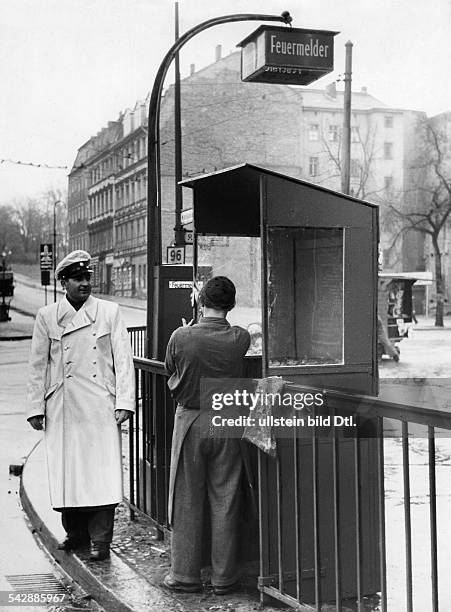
105 219
130 246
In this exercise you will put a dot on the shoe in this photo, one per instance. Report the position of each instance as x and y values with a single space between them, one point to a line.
73 543
99 551
225 589
181 587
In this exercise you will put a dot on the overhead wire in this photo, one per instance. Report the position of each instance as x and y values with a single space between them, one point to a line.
187 108
33 164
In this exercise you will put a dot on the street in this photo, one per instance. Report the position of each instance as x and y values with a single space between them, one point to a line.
21 559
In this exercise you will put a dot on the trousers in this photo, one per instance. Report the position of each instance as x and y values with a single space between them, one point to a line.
94 524
208 469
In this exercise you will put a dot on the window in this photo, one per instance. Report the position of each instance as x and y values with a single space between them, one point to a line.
388 121
313 166
355 168
388 150
388 182
313 133
305 326
333 133
355 135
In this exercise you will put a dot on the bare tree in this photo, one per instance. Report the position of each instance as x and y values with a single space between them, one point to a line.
25 224
31 221
10 236
428 211
364 154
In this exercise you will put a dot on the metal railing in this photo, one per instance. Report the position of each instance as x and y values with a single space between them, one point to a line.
326 501
138 340
149 444
323 512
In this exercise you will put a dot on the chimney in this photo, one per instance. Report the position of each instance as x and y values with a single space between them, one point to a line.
218 52
192 69
364 90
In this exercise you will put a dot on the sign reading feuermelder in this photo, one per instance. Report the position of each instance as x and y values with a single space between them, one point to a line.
287 55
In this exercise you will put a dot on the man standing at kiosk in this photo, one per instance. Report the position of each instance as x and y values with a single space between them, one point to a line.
204 467
81 388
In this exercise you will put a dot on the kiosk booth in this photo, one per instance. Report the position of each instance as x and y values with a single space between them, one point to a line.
304 261
310 277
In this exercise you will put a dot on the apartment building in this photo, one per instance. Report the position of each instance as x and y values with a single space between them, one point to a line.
292 130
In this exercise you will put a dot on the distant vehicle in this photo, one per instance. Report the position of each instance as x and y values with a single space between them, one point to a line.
396 314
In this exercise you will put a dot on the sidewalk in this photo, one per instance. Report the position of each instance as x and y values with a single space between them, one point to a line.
132 579
113 584
19 328
428 323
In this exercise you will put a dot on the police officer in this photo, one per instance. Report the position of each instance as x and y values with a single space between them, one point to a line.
81 388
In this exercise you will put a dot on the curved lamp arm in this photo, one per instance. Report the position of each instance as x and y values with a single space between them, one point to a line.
153 149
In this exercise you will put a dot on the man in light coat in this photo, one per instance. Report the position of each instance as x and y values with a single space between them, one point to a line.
81 388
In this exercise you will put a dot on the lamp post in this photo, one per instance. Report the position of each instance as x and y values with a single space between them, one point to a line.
4 308
54 247
153 155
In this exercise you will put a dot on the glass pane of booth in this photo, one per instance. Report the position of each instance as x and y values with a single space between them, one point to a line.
238 258
305 296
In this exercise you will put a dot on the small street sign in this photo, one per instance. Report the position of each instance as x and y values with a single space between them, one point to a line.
46 251
175 255
45 278
286 55
189 237
46 259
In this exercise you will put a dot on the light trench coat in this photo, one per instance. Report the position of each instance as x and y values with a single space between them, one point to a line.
81 371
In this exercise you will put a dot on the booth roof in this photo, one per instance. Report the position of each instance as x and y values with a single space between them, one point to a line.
244 175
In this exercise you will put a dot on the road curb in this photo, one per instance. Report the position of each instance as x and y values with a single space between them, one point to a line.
13 338
25 313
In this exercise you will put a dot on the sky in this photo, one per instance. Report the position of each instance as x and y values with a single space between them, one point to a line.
70 66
